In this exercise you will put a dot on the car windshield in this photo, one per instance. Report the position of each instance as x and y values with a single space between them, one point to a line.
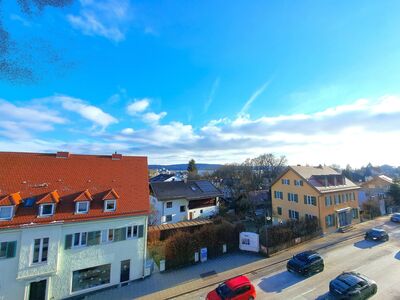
305 257
224 291
352 281
375 232
397 215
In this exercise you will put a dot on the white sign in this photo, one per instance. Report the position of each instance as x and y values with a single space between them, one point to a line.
249 241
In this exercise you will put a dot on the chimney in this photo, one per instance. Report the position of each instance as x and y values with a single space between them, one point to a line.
116 156
61 154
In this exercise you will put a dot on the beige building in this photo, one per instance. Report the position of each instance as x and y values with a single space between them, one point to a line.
315 192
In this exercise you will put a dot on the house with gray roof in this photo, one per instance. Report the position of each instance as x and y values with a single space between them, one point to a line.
177 201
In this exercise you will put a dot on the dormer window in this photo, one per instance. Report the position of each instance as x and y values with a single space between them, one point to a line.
46 210
82 207
110 205
6 212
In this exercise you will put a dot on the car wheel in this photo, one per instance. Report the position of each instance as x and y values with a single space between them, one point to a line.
374 289
251 298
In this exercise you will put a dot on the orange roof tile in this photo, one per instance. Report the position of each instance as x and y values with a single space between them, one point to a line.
111 195
52 197
11 199
36 175
83 196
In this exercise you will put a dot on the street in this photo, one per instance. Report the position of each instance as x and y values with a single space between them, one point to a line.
378 261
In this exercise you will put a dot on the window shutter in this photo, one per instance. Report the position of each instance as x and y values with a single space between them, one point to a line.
314 201
68 241
305 199
333 220
140 233
93 238
327 221
11 248
296 198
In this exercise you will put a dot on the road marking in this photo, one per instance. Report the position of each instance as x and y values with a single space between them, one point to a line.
301 295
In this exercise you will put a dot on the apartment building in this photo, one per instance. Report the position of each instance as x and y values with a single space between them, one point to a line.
315 192
70 224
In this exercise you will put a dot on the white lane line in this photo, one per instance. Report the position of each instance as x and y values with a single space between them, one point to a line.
301 295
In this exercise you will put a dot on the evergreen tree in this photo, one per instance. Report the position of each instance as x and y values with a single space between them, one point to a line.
192 169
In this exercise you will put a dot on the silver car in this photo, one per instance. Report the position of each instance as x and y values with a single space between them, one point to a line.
395 217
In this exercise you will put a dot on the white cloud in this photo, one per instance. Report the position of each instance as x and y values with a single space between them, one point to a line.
152 117
21 122
127 131
87 111
138 106
253 97
106 18
210 98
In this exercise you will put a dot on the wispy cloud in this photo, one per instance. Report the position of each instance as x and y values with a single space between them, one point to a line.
87 111
253 97
138 106
210 98
108 18
153 118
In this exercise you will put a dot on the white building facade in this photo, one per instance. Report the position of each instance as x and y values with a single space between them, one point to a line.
65 260
174 202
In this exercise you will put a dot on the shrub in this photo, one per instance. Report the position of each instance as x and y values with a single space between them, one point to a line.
179 249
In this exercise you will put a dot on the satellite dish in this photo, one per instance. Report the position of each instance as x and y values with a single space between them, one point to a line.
268 218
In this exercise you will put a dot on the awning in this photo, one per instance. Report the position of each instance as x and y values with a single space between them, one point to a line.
343 209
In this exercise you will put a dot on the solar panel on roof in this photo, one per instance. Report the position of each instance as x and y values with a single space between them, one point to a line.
29 202
206 186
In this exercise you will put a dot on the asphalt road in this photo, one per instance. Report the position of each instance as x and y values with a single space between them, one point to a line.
378 261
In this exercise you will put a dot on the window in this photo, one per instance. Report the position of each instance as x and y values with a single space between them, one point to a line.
352 196
168 218
328 201
293 214
183 208
110 205
241 290
90 277
278 195
286 181
298 182
279 209
310 200
132 232
46 210
80 239
107 235
337 199
293 197
354 212
310 217
169 204
6 212
82 207
7 249
40 249
201 211
330 220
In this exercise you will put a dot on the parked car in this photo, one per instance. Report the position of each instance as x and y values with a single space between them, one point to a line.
306 263
377 234
395 218
352 285
237 288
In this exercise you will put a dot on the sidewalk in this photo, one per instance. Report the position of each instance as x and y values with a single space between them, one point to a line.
174 283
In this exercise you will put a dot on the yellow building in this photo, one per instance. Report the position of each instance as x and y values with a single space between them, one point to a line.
315 192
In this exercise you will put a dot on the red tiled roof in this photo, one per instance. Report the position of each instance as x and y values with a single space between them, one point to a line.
52 197
84 196
38 176
111 194
12 199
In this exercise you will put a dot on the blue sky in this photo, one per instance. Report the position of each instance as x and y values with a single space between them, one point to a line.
217 81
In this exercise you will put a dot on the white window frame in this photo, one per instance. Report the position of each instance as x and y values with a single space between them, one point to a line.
106 232
285 181
40 256
292 197
11 212
41 214
166 204
132 231
278 195
77 207
166 218
80 240
298 182
110 201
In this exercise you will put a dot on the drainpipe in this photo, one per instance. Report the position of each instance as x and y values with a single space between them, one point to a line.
145 245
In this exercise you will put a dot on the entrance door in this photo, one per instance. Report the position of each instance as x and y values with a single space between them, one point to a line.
344 219
125 269
37 290
190 216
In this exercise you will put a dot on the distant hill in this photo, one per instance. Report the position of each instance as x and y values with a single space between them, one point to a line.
182 167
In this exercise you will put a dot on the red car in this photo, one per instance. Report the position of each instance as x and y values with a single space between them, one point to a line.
238 288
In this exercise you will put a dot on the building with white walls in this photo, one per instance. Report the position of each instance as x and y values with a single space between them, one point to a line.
70 224
181 201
